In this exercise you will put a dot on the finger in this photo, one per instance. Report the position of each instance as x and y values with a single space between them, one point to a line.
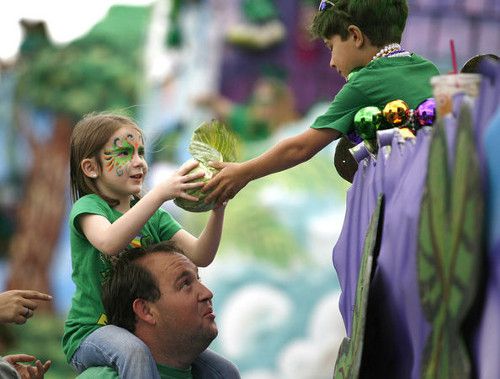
12 359
194 176
214 195
40 368
188 166
186 196
218 165
192 185
28 313
46 366
211 184
35 295
29 304
33 371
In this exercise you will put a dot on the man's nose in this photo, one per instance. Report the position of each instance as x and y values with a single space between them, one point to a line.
205 293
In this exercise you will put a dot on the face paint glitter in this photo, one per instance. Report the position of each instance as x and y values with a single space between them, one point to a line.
121 153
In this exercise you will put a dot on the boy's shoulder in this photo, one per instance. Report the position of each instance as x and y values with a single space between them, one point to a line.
391 71
378 66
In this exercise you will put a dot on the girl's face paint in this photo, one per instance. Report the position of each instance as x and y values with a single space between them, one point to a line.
122 152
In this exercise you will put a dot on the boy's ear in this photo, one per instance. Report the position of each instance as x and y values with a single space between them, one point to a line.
89 167
357 35
143 311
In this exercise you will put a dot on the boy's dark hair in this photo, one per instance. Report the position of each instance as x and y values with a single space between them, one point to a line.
130 280
382 21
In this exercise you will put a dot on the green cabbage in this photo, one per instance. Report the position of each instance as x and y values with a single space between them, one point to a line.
211 142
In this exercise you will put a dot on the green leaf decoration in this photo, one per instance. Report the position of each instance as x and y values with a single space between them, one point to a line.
449 249
348 362
211 142
211 136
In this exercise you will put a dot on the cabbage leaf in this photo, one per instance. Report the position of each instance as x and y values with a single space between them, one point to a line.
211 142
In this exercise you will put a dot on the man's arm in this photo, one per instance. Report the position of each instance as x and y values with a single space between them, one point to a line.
284 155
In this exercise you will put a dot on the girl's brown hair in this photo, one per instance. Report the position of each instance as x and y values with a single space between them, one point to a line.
88 138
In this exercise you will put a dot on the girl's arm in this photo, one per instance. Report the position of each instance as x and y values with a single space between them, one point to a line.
284 155
112 238
202 250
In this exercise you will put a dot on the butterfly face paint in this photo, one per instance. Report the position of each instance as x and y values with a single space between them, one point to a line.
122 152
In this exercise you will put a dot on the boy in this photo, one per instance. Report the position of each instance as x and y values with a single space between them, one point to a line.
363 36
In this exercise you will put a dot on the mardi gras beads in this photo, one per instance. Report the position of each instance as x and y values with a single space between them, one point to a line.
397 113
367 121
424 114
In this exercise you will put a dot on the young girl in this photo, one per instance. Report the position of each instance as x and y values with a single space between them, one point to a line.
107 174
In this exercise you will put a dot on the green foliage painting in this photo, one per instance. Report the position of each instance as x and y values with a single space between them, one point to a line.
449 248
100 71
351 350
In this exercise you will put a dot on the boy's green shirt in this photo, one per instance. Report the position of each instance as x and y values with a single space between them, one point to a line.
376 84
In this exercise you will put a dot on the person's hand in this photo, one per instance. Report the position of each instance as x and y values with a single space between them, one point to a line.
180 181
19 305
225 184
27 371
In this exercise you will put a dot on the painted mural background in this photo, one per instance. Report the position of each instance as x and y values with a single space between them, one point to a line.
276 292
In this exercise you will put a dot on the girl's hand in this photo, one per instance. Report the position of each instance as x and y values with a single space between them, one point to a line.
181 181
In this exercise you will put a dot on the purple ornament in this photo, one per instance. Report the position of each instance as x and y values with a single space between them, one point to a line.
354 137
425 113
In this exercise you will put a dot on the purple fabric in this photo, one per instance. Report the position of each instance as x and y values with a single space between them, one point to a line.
400 175
395 314
487 341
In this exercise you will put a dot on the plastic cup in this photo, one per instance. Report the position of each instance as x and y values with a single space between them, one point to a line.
446 87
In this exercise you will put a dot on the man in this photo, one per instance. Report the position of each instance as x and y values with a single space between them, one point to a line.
157 295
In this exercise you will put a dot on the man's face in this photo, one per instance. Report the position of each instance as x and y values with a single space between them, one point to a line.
185 316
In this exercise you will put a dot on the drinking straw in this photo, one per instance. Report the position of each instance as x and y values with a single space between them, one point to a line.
453 56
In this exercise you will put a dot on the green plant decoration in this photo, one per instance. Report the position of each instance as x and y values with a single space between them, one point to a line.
211 142
348 363
449 248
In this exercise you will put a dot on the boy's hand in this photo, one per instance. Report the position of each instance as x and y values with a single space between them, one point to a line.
19 305
181 181
225 184
28 371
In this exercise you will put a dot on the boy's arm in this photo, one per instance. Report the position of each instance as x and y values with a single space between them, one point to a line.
202 250
284 155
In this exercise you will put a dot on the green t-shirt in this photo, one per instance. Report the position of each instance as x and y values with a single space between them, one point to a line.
104 372
376 84
90 267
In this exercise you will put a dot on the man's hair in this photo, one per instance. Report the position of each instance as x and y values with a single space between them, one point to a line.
382 21
129 281
89 136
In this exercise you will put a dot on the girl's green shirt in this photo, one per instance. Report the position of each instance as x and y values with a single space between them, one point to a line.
90 267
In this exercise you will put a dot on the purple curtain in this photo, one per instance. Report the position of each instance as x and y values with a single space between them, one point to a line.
395 320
